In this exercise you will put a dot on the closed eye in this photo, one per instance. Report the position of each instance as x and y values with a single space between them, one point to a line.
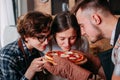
73 37
62 38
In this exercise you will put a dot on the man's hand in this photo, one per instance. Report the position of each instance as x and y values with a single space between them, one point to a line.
67 69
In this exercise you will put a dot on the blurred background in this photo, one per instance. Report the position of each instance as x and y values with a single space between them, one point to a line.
10 10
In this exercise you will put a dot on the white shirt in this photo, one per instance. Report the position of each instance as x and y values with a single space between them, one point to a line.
116 57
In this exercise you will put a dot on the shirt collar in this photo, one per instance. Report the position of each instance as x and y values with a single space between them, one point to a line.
112 37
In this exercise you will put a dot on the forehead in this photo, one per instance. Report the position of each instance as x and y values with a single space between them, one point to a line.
69 32
79 12
79 15
82 16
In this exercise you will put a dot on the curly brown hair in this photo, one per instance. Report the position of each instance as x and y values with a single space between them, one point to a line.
33 24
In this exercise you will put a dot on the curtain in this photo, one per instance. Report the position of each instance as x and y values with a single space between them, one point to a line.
6 17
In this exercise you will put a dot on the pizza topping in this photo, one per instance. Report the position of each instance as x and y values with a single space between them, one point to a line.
74 57
64 55
54 54
69 52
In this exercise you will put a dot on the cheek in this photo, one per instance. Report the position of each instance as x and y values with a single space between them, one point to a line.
89 30
72 42
35 43
39 46
93 31
94 34
59 42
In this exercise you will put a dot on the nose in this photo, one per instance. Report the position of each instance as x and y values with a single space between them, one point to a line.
46 41
67 42
82 32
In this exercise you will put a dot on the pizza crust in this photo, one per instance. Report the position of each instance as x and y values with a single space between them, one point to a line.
49 59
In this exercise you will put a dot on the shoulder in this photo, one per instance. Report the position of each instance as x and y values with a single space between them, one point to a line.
9 50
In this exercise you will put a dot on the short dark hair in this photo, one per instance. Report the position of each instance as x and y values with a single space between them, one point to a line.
33 23
94 4
63 21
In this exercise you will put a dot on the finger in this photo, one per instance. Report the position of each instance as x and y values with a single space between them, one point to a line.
40 69
40 58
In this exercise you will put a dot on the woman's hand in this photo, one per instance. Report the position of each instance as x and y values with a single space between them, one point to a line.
35 66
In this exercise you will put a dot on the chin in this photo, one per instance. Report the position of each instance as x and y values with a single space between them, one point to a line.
94 41
66 49
41 49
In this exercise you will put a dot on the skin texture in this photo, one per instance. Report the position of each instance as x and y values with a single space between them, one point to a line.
89 27
36 66
66 39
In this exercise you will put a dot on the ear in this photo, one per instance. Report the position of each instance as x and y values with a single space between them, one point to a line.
26 38
96 19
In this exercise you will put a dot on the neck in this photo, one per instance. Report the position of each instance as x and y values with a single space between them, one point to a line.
108 25
28 46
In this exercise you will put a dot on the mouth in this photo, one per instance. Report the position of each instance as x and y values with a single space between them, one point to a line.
67 48
44 46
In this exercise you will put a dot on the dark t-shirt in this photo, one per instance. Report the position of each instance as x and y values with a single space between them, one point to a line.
105 57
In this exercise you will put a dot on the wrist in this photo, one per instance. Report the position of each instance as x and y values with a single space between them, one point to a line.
29 74
24 78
